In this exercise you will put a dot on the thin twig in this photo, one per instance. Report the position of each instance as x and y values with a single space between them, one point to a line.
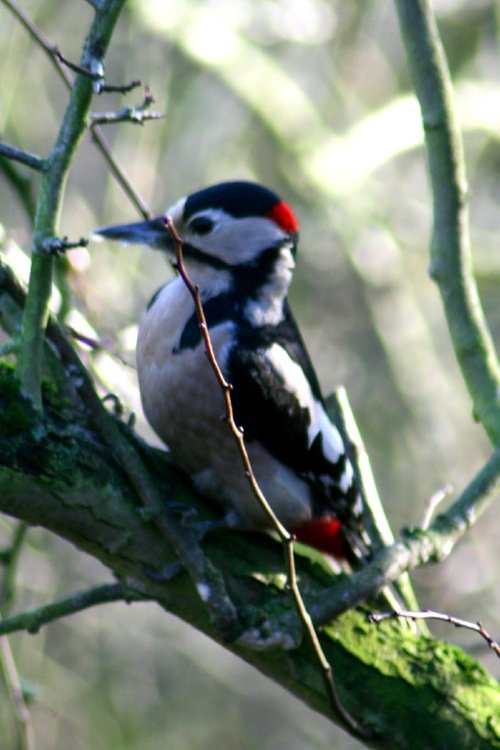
57 246
33 619
428 614
377 524
119 172
97 346
124 88
39 38
11 676
433 503
136 115
10 558
24 157
285 537
94 76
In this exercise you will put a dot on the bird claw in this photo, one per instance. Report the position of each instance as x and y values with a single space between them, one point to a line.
164 575
265 639
201 527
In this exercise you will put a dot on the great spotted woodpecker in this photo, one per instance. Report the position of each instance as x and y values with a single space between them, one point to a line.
239 245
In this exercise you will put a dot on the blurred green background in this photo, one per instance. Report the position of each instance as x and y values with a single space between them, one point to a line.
313 99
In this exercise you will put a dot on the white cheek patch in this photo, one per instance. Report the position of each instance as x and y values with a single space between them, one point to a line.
234 241
296 382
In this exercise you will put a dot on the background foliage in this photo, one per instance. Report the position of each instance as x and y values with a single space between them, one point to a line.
313 99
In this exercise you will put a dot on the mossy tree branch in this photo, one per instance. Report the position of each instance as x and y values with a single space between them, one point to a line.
451 263
58 474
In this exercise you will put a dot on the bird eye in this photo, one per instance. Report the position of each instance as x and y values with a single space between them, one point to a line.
201 225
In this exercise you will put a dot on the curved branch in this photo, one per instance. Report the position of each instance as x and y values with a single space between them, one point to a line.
451 263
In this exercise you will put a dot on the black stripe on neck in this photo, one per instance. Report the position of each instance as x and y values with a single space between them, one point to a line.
247 281
217 310
194 253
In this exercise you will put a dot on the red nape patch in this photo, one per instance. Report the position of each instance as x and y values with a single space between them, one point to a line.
324 534
284 217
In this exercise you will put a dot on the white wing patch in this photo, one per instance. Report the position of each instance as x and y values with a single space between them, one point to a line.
297 383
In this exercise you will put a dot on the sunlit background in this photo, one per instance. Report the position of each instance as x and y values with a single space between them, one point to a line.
313 99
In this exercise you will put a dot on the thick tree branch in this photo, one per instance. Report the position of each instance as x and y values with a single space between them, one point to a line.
451 263
59 474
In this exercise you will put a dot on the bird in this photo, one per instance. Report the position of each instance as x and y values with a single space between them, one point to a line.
239 243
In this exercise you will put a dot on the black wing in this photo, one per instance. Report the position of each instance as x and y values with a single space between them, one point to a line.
286 414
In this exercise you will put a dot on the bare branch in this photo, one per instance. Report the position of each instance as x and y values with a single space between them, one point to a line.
137 115
91 504
428 614
124 88
10 558
25 157
451 263
23 720
98 346
97 76
32 620
96 4
56 246
376 521
433 503
93 75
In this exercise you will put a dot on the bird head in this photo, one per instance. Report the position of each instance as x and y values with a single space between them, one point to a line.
232 226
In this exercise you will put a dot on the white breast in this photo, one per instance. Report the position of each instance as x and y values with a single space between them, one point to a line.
179 392
185 406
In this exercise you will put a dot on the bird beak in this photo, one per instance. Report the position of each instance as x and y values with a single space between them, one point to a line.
153 233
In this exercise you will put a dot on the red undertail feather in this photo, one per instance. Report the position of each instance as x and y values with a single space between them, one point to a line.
324 534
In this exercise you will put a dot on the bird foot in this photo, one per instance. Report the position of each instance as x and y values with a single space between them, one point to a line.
266 638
